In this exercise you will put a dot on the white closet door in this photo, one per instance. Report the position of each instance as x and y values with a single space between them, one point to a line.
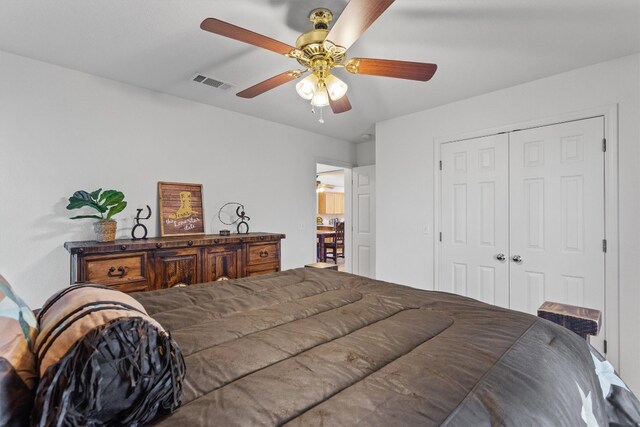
475 219
557 216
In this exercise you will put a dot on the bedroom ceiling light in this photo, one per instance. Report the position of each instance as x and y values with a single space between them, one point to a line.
319 86
336 87
320 97
307 86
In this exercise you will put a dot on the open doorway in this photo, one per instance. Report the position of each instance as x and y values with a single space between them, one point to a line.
331 217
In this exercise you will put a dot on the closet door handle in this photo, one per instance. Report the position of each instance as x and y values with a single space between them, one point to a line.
517 259
501 257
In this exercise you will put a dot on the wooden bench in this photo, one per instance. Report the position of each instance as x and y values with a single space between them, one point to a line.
583 321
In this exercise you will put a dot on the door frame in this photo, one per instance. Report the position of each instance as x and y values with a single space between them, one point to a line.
611 226
348 235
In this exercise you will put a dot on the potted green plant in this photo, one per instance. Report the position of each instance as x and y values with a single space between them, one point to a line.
107 203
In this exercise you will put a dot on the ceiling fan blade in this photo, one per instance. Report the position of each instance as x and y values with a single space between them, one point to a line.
421 71
355 19
217 26
269 84
341 105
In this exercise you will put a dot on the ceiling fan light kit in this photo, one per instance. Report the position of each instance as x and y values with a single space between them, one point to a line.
307 86
336 87
320 97
316 89
321 49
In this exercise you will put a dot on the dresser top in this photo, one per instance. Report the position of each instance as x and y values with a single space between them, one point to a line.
93 247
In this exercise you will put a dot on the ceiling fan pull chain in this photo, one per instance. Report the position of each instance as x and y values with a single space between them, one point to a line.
321 120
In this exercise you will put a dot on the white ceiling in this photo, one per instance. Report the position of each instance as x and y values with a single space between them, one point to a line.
479 46
320 168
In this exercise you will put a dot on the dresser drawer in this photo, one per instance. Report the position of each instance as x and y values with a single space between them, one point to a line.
130 286
262 253
260 269
114 269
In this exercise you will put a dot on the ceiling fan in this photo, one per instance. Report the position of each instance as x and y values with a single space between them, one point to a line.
322 49
321 186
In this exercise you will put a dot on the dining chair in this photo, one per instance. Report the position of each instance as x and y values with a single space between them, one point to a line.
334 250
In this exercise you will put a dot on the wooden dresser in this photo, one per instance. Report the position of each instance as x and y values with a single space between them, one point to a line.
163 262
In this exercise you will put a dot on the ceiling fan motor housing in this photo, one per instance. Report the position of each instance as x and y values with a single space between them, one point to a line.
315 52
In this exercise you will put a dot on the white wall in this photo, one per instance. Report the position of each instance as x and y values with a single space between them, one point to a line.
404 162
61 130
366 153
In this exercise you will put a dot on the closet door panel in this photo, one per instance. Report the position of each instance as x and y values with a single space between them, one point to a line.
557 215
474 219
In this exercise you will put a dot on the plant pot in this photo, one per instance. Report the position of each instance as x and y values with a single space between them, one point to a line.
105 230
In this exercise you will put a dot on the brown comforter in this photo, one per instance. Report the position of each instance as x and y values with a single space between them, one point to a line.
315 347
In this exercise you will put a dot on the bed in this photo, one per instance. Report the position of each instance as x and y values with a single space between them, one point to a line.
317 347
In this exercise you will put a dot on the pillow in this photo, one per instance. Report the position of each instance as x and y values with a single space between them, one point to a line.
18 329
103 361
623 407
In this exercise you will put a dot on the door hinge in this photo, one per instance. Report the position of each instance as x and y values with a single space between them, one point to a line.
604 145
441 236
605 346
604 245
440 164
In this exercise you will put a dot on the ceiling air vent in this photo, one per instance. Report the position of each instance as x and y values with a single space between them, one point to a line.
199 78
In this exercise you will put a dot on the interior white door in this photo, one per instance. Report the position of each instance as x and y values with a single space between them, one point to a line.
557 216
364 221
475 219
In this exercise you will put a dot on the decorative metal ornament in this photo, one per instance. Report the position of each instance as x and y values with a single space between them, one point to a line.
243 226
138 224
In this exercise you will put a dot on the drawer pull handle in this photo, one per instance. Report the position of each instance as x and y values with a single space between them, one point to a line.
123 247
261 237
190 242
264 254
122 271
158 245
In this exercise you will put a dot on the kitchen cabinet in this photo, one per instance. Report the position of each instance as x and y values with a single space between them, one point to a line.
331 203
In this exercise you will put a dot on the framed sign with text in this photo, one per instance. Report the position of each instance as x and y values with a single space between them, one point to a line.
181 209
